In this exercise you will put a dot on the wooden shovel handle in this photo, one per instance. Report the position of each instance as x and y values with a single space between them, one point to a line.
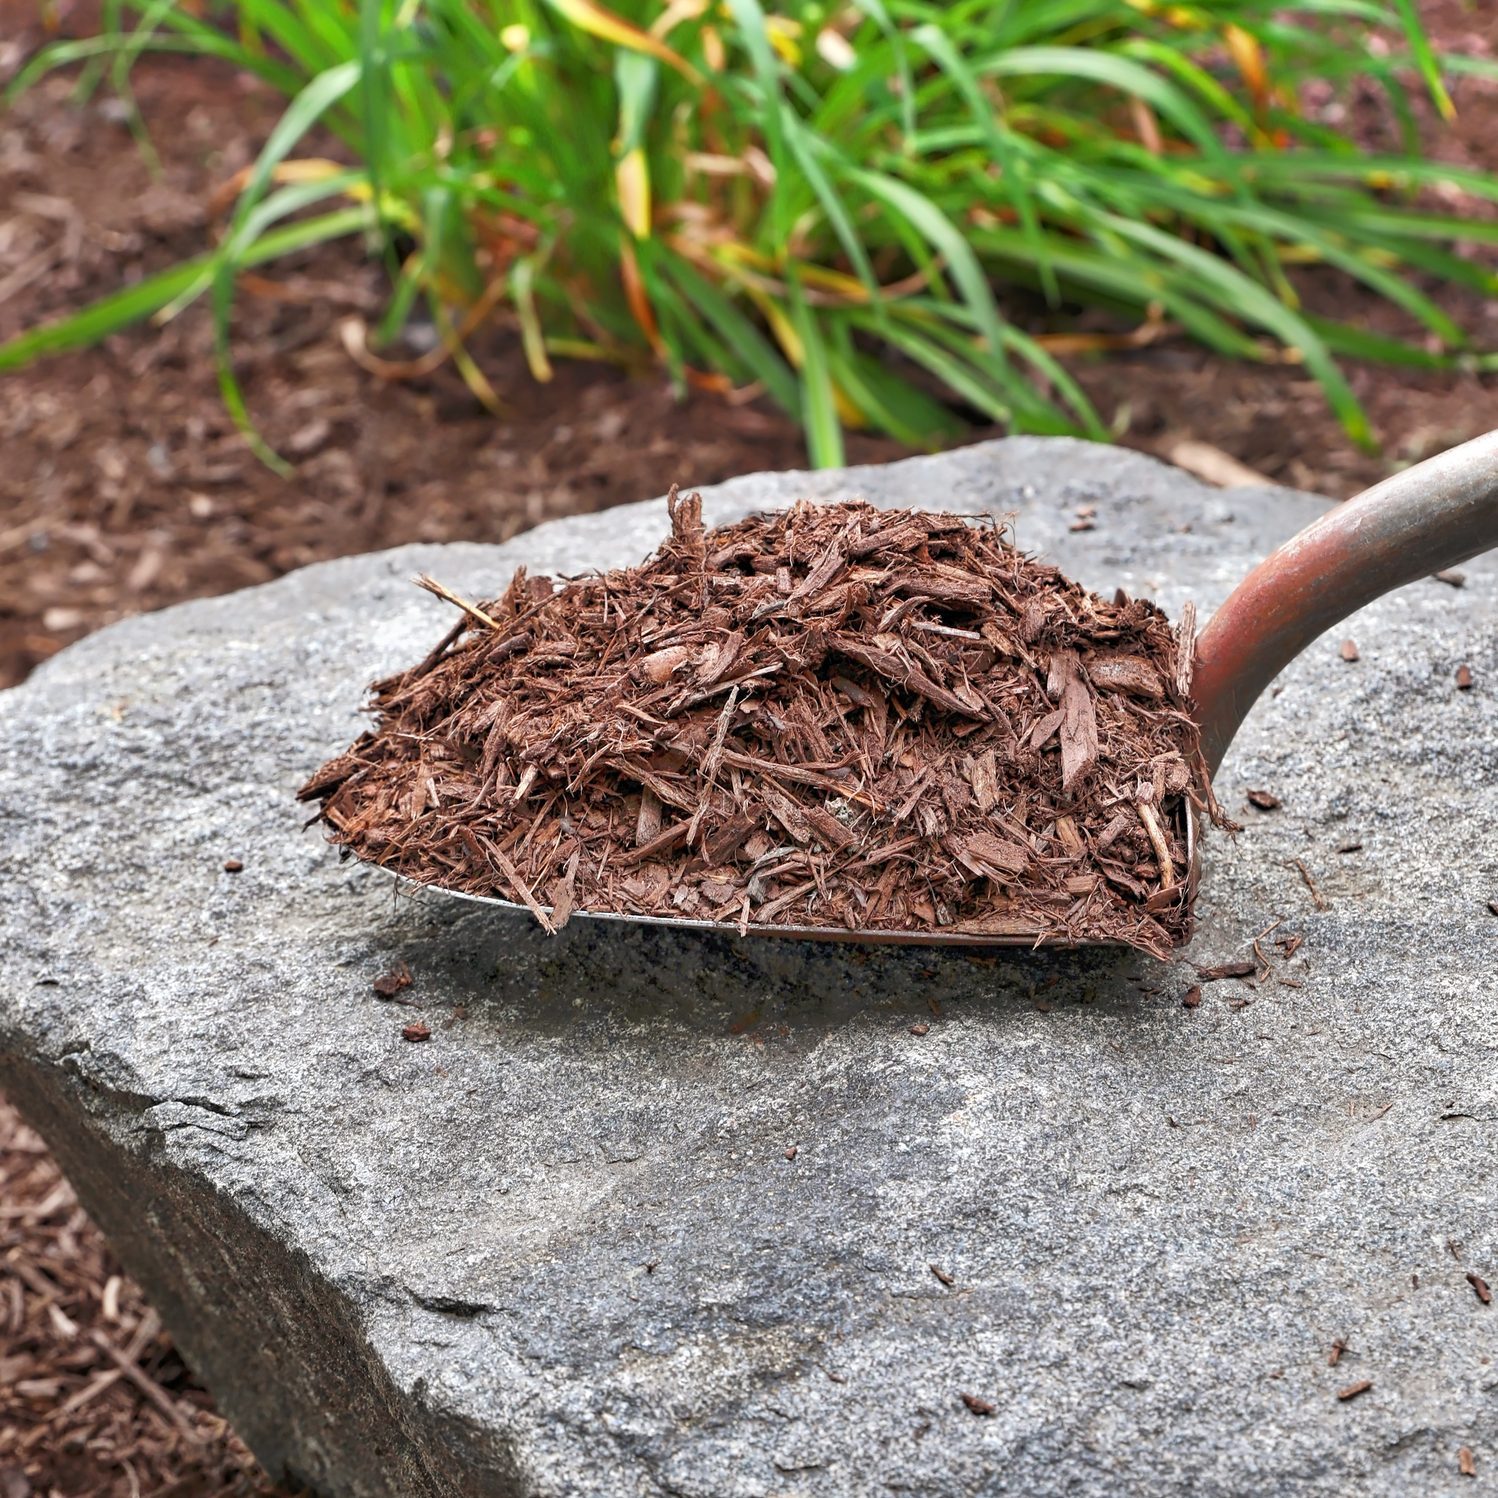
1431 516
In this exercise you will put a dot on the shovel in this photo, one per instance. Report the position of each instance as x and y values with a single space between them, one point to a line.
1423 520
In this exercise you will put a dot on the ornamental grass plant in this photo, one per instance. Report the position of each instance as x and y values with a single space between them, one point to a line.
883 214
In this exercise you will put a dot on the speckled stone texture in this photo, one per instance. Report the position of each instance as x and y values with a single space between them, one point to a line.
562 1248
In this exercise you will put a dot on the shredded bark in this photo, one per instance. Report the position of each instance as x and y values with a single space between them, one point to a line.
94 1398
832 716
1221 970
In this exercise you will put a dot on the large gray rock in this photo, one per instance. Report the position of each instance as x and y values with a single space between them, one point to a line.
562 1248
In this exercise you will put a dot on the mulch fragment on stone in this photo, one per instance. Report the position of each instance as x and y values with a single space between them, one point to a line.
833 716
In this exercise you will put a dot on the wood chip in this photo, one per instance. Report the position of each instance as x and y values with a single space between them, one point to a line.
1214 974
1192 998
233 866
387 985
1464 678
1480 1288
1317 898
1350 651
416 1032
1451 577
1265 800
1466 1463
1353 1390
941 1274
978 1405
1214 465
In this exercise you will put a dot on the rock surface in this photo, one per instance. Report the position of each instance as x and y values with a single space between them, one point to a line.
656 1213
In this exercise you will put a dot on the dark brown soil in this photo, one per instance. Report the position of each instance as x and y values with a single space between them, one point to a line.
833 716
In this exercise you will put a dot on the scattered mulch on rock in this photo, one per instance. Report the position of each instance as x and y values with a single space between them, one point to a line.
832 716
93 1398
1353 1390
388 985
1221 970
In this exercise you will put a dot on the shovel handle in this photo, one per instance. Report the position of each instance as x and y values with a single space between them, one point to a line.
1429 517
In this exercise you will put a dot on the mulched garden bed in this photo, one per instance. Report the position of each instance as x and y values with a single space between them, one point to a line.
94 1399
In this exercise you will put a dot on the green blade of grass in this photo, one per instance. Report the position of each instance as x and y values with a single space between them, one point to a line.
1258 306
946 56
824 432
135 303
942 235
1425 57
760 358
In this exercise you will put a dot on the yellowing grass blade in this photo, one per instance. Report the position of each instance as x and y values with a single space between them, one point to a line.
788 336
532 338
300 169
632 180
785 38
597 21
639 302
1248 58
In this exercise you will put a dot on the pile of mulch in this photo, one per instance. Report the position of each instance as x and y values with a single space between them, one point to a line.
93 1397
834 716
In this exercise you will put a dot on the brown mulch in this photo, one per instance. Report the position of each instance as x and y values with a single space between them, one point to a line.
829 716
93 1397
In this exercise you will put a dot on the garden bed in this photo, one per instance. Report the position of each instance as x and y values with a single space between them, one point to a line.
126 487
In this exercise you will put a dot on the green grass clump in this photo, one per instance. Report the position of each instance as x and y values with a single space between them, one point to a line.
834 203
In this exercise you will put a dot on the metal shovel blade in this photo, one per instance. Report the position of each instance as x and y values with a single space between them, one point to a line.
1432 516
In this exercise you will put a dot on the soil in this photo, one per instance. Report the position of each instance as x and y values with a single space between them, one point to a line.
124 488
833 716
